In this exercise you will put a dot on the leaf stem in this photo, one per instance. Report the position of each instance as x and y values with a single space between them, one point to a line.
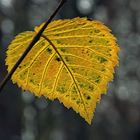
35 39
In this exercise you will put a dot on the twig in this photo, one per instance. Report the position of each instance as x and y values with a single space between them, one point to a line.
35 39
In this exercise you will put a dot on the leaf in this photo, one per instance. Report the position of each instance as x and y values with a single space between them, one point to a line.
76 71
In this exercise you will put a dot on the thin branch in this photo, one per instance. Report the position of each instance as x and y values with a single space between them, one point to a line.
35 39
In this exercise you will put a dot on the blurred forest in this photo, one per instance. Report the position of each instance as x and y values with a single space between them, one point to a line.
117 117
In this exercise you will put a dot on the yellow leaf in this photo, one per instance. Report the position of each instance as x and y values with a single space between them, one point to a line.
76 71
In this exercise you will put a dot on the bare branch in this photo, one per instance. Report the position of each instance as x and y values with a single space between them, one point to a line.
35 39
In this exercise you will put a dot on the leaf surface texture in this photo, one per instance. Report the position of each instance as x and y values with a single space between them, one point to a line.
76 71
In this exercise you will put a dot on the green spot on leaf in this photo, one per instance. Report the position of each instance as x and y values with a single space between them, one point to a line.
49 50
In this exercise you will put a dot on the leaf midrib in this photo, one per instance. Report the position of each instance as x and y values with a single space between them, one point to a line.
72 76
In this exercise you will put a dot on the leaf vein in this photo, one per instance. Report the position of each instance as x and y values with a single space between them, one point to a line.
91 82
98 71
56 79
44 72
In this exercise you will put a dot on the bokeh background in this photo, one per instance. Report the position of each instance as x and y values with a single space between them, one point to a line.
117 117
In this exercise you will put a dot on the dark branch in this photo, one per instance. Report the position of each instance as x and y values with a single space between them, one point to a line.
35 39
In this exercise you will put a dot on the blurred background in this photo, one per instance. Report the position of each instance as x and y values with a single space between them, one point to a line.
117 117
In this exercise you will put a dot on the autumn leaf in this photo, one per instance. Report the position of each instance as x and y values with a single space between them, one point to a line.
76 70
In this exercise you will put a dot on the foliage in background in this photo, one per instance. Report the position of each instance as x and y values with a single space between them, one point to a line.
24 117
